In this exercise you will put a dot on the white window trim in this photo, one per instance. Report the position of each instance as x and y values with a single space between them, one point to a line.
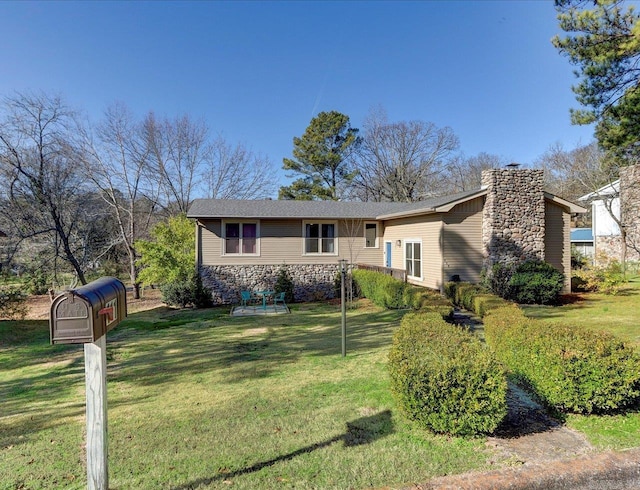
404 256
223 232
320 222
364 231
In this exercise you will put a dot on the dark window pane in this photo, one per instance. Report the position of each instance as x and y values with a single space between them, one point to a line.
249 230
312 230
370 234
232 230
327 231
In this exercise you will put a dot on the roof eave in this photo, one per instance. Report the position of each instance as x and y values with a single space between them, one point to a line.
442 208
572 207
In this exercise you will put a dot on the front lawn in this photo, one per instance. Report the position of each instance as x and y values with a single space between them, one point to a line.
198 399
619 315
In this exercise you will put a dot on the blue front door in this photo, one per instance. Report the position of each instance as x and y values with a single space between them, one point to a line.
387 254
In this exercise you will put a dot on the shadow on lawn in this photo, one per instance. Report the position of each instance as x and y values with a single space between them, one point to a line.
250 349
361 431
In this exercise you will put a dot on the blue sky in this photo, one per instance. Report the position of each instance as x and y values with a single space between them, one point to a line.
257 72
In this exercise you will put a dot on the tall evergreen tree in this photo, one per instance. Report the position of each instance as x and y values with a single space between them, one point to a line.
322 157
603 41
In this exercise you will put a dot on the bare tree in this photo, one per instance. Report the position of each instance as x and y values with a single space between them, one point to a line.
44 182
119 165
587 170
465 173
178 152
235 172
574 173
402 161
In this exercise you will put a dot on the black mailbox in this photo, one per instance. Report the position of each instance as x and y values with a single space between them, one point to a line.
89 312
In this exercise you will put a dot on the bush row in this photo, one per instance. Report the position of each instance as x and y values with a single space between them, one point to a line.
444 378
388 292
473 297
383 290
570 369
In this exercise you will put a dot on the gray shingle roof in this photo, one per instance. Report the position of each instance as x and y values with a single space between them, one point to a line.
233 208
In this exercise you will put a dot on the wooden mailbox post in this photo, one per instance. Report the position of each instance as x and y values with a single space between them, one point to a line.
85 315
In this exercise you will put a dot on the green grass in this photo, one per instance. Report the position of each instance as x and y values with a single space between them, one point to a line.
619 315
198 399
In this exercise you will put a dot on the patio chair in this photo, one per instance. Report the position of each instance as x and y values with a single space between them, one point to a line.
247 298
278 298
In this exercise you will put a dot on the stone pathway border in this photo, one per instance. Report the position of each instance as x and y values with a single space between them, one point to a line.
603 471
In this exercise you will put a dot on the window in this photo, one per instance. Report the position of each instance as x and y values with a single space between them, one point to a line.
413 258
319 238
371 235
241 238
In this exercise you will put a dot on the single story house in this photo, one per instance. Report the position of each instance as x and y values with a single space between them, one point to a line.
242 244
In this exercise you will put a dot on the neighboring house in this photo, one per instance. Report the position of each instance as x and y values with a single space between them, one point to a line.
242 244
616 202
582 241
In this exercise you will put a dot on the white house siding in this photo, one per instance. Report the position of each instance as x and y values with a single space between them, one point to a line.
462 240
603 223
557 241
428 229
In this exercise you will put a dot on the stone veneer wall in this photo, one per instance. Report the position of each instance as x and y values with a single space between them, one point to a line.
311 282
513 221
630 208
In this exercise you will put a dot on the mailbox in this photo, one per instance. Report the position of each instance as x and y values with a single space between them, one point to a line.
87 313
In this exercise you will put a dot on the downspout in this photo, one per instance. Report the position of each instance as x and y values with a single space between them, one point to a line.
198 246
442 254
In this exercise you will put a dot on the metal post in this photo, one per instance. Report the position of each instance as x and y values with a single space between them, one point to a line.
95 362
343 270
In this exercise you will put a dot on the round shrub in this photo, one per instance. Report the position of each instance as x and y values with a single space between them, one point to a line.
444 378
177 293
535 282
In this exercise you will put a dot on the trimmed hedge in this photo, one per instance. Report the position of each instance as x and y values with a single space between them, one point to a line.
570 369
388 292
383 290
444 378
426 300
473 297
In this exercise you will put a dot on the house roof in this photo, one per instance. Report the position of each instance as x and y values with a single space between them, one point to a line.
266 208
611 189
286 209
581 235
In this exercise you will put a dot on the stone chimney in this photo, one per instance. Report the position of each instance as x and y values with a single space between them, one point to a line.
513 218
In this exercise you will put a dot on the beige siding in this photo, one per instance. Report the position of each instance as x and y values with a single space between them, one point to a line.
426 228
462 241
281 242
557 241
